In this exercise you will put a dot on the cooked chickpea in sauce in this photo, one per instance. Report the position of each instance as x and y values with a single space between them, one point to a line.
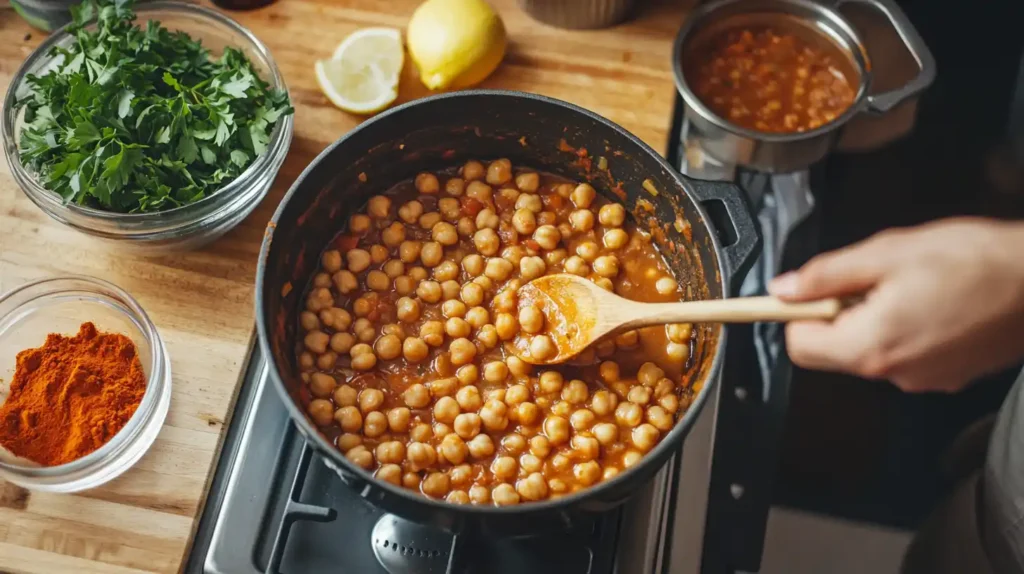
771 79
407 337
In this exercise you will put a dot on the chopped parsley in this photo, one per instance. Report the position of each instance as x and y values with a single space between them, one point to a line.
142 119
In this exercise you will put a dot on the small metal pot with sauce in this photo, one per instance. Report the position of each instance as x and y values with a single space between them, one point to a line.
780 150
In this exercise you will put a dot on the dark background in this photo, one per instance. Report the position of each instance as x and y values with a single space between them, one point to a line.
863 449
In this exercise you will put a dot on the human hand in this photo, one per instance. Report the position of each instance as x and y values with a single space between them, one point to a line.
944 305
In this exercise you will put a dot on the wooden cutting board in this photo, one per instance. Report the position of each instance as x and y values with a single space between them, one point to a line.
202 302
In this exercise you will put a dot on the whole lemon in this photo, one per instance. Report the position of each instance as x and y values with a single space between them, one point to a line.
455 43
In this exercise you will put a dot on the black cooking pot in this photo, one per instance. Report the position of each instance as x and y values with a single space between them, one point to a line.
533 131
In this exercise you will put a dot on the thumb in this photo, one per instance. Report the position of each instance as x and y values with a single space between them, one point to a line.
848 271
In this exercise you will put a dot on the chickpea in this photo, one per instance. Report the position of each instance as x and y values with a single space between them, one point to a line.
389 473
610 473
467 425
445 410
644 437
370 400
453 308
363 306
316 341
677 352
468 398
431 253
331 261
421 432
375 424
457 328
612 215
361 457
449 287
547 236
670 403
364 361
560 463
420 456
306 361
506 326
321 385
529 463
649 374
487 336
454 449
411 480
586 447
583 195
499 172
461 476
462 350
505 495
576 392
349 419
327 361
465 226
518 367
480 191
435 485
418 274
587 473
604 403
359 224
666 285
486 241
477 317
427 183
606 433
615 238
606 266
495 372
390 452
564 230
472 294
577 266
542 347
639 395
582 220
388 347
557 487
480 446
407 309
416 396
467 374
409 251
540 446
533 487
505 301
530 202
660 418
588 251
531 319
484 282
628 414
444 233
628 339
429 219
394 268
504 468
473 170
494 415
514 444
527 413
321 298
444 387
309 320
321 411
582 419
517 394
528 182
555 256
550 382
679 332
479 494
410 212
348 441
498 269
379 206
556 428
524 221
473 264
455 186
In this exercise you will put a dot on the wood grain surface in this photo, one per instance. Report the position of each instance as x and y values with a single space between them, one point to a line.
202 302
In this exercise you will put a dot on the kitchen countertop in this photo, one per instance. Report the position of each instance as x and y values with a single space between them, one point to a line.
202 302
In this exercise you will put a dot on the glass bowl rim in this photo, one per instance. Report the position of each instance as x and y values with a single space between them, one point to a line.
154 378
234 188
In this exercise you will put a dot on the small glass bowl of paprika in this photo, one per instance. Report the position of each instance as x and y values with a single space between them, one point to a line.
85 383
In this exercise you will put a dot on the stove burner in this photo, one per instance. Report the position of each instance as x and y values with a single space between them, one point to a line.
405 547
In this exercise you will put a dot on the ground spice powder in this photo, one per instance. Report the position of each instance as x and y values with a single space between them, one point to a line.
70 396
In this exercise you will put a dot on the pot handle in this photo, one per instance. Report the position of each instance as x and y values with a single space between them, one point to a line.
881 103
731 219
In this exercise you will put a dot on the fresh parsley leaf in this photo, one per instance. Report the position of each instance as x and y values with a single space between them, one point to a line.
136 118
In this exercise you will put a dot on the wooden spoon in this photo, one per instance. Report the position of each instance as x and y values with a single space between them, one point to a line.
578 313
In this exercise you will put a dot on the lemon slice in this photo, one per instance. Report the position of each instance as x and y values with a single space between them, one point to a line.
362 75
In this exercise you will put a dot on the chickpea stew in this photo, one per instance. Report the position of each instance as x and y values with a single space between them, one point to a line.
771 79
407 331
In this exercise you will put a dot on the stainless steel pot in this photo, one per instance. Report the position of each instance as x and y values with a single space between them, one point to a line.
779 153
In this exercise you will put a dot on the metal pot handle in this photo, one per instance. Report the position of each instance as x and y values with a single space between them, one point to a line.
881 103
739 233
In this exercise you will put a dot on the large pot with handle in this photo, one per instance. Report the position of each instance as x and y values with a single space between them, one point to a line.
706 234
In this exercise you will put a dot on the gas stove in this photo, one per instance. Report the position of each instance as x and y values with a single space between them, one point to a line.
274 507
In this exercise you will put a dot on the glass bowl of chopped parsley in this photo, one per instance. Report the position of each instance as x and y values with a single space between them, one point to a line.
160 127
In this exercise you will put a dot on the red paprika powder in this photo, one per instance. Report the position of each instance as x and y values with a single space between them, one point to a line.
70 396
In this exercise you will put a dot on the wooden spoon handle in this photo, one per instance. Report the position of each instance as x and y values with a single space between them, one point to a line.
741 310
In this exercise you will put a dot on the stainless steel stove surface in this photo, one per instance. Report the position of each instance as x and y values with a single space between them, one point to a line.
276 508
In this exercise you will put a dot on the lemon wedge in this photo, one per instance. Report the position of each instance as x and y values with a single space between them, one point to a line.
455 43
362 75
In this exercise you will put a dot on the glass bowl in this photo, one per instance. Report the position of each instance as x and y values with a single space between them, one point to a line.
60 305
189 226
